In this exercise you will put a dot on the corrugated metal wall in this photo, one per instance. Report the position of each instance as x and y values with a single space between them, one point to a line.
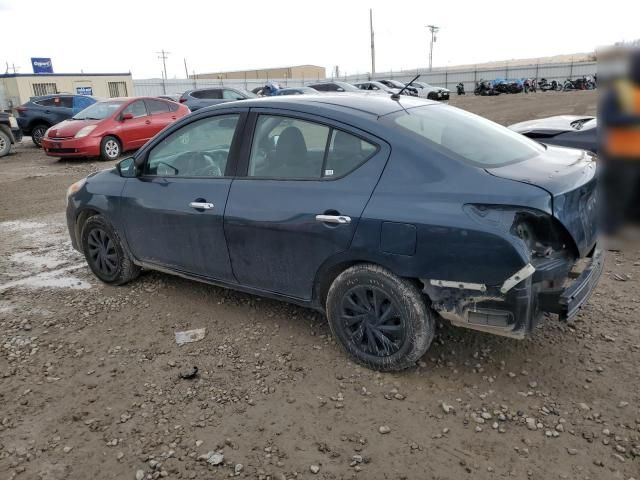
441 78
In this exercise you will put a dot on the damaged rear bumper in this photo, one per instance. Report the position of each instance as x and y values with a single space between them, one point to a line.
514 308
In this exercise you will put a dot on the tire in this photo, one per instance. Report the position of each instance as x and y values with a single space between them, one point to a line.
432 96
37 133
110 148
400 308
104 253
5 144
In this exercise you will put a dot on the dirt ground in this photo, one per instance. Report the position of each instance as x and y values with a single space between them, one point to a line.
90 386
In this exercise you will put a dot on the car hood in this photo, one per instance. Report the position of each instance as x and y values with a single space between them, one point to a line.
548 126
569 176
68 128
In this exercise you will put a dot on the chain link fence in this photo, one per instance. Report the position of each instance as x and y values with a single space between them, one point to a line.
447 78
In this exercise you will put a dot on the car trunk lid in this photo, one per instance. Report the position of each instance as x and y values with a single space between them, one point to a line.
569 176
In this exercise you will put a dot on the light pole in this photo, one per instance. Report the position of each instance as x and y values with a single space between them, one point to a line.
163 56
433 29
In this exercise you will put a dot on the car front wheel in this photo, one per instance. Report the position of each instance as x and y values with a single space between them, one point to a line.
380 319
110 148
105 254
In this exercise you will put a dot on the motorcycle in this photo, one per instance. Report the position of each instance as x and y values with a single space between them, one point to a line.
460 89
485 88
545 85
569 86
530 85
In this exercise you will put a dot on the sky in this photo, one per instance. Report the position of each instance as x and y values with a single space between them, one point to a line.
99 36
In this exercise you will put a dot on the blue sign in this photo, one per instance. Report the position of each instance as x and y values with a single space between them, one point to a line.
41 65
84 90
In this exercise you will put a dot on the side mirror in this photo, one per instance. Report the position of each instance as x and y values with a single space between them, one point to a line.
126 116
127 167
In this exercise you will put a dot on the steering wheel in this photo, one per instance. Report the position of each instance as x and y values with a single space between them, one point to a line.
209 163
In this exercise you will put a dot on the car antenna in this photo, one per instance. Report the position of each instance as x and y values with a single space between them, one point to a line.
396 96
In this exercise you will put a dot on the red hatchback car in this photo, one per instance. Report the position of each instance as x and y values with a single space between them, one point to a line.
108 128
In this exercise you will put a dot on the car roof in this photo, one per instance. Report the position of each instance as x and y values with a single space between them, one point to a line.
373 104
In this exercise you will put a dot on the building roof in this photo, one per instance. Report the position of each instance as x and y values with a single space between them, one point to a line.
13 75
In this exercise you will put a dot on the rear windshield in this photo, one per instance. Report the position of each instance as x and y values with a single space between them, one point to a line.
475 139
99 111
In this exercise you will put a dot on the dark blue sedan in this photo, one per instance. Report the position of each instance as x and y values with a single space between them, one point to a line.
383 213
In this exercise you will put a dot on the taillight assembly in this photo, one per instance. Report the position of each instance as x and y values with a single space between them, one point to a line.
182 100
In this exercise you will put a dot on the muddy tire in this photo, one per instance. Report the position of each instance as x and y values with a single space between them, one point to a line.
381 320
105 254
5 144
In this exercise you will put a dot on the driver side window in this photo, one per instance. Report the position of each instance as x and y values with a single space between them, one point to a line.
199 149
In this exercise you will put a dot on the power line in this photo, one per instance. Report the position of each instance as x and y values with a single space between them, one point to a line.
433 29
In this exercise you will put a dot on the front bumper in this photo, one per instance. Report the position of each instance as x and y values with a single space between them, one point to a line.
516 312
72 147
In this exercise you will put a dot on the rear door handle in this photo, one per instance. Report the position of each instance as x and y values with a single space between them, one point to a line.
147 122
201 205
339 219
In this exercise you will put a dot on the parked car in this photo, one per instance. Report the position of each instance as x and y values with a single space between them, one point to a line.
410 90
10 133
39 113
205 97
297 91
564 130
376 87
108 128
383 215
433 93
335 87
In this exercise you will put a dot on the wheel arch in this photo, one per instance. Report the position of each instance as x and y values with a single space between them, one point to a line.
80 220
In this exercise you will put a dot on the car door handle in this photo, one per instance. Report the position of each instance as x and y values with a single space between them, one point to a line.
340 219
147 122
201 205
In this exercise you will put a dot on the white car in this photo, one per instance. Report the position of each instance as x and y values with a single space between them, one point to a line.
432 93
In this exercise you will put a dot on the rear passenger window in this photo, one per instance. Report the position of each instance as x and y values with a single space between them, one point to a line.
157 106
213 94
346 153
290 148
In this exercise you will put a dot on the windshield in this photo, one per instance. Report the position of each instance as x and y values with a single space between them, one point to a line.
584 123
99 111
473 138
396 83
347 87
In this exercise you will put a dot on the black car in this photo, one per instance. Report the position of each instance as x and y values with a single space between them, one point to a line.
384 213
335 87
10 133
205 97
564 130
39 113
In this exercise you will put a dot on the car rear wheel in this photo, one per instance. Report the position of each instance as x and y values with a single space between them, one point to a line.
37 134
379 318
432 96
105 254
110 148
5 144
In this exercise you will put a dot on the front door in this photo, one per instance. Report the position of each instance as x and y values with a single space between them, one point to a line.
135 131
305 188
175 208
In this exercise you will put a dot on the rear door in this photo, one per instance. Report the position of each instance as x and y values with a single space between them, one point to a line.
305 185
160 113
175 208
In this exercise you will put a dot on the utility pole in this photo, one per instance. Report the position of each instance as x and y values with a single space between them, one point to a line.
433 29
373 45
163 56
186 70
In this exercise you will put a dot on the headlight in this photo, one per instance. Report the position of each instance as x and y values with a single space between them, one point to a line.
84 131
46 134
75 187
13 122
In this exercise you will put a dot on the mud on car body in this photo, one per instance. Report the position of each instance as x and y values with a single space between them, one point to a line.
382 213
